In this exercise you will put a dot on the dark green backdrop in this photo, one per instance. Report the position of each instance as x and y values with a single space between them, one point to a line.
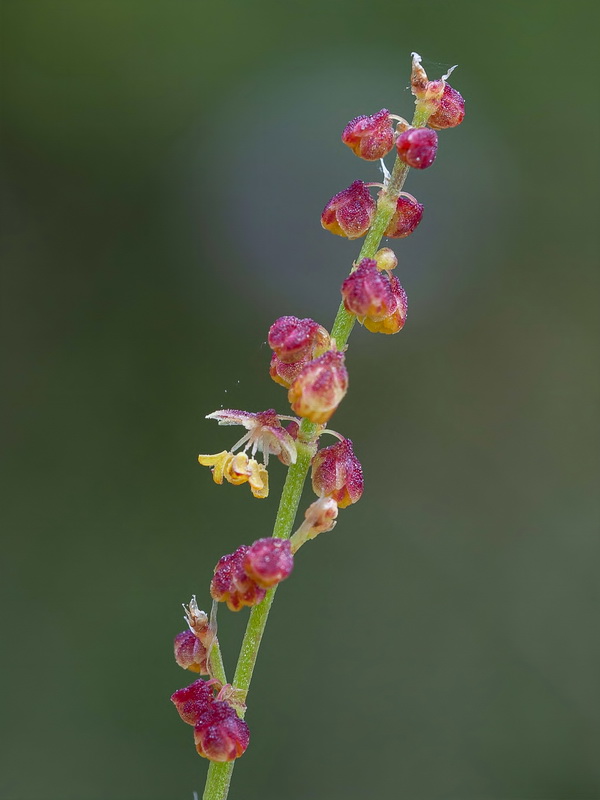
165 165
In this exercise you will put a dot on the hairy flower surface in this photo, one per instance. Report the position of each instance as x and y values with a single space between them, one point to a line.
231 583
192 700
269 561
320 387
350 212
367 292
292 339
190 653
337 473
219 734
450 111
395 321
370 137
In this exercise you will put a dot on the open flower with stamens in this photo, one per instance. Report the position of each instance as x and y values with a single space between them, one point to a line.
265 433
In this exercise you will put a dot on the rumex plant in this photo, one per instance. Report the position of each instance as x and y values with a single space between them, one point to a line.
309 362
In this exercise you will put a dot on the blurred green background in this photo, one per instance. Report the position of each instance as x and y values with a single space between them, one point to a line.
164 168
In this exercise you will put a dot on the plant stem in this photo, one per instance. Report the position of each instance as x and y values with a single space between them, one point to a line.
219 774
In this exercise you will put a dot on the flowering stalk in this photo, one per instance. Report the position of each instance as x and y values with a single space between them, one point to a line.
310 363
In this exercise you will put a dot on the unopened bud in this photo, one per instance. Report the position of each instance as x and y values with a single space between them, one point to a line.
320 387
417 147
367 293
385 259
370 137
319 517
407 216
219 734
395 321
337 473
350 212
269 561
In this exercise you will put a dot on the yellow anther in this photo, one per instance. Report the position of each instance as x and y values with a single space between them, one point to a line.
259 479
237 470
218 461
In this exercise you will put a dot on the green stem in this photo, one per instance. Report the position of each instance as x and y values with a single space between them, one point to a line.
219 775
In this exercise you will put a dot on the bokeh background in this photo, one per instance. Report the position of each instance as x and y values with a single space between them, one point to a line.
164 168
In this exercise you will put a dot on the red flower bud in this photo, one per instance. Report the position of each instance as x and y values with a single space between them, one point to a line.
407 216
350 212
190 653
219 734
336 473
193 700
320 387
451 110
417 147
269 561
230 583
367 292
370 138
293 339
395 321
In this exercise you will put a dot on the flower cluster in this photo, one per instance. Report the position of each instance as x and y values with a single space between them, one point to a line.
310 364
219 733
243 577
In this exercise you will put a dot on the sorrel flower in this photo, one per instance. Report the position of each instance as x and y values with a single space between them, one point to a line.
320 387
241 578
350 212
192 700
265 433
319 517
445 105
376 298
417 147
372 137
337 473
220 734
292 339
269 561
367 292
310 362
405 219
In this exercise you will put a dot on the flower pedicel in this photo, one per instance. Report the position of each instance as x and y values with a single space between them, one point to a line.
310 362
